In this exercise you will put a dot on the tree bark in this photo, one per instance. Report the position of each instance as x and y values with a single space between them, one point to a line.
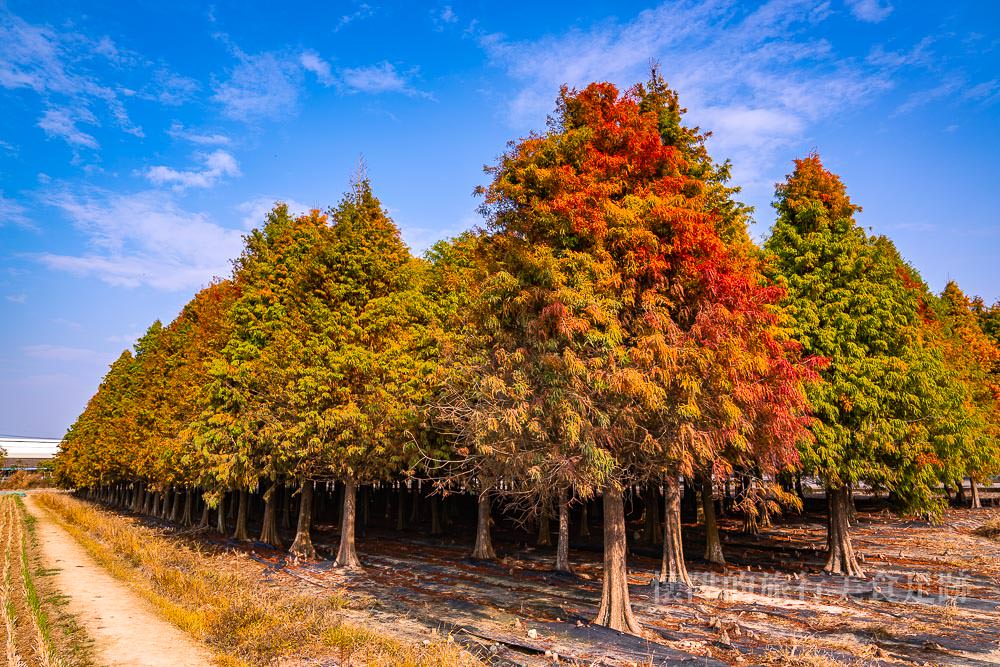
302 547
544 529
186 513
615 611
672 567
713 545
562 546
240 532
154 508
584 520
286 506
220 516
347 555
840 552
205 517
651 533
960 491
483 549
977 503
436 528
269 524
400 509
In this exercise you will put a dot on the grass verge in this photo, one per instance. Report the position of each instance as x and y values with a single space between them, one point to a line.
220 599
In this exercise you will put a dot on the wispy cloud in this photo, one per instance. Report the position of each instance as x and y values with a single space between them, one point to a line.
57 66
870 11
61 124
380 78
217 165
18 298
178 131
254 211
13 212
374 79
363 11
144 238
758 78
312 62
263 86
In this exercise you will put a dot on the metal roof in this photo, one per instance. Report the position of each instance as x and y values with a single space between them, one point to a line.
29 448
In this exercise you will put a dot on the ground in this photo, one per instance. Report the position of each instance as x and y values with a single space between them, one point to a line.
931 596
125 629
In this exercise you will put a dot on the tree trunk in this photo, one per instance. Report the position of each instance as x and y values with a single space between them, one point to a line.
205 518
840 551
483 550
154 507
562 546
347 555
175 511
240 532
584 520
799 491
544 529
186 513
436 528
137 499
713 545
220 516
651 533
286 506
615 611
400 509
977 503
269 524
960 491
672 567
302 547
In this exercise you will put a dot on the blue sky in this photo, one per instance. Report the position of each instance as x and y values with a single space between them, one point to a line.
138 141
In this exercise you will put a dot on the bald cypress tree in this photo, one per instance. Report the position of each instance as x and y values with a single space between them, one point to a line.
853 302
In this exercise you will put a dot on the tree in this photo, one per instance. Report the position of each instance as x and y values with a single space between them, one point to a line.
852 301
611 293
974 359
359 351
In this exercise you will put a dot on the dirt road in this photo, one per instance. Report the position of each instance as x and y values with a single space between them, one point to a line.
125 629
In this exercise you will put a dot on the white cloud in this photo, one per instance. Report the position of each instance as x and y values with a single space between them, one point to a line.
61 353
13 213
870 11
254 211
54 64
217 164
178 131
363 11
144 238
312 62
261 87
759 77
380 78
18 298
61 124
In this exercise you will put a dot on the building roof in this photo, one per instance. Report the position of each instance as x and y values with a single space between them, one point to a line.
29 448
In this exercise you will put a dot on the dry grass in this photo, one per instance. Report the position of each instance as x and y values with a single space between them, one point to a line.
990 529
30 637
22 479
220 599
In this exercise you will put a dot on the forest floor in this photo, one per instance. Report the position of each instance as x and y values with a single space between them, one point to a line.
932 596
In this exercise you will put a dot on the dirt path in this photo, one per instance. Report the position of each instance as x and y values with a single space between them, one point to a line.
125 629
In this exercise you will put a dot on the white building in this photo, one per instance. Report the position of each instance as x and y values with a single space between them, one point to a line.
27 452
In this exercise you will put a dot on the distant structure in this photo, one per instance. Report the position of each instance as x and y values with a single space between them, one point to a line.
27 453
